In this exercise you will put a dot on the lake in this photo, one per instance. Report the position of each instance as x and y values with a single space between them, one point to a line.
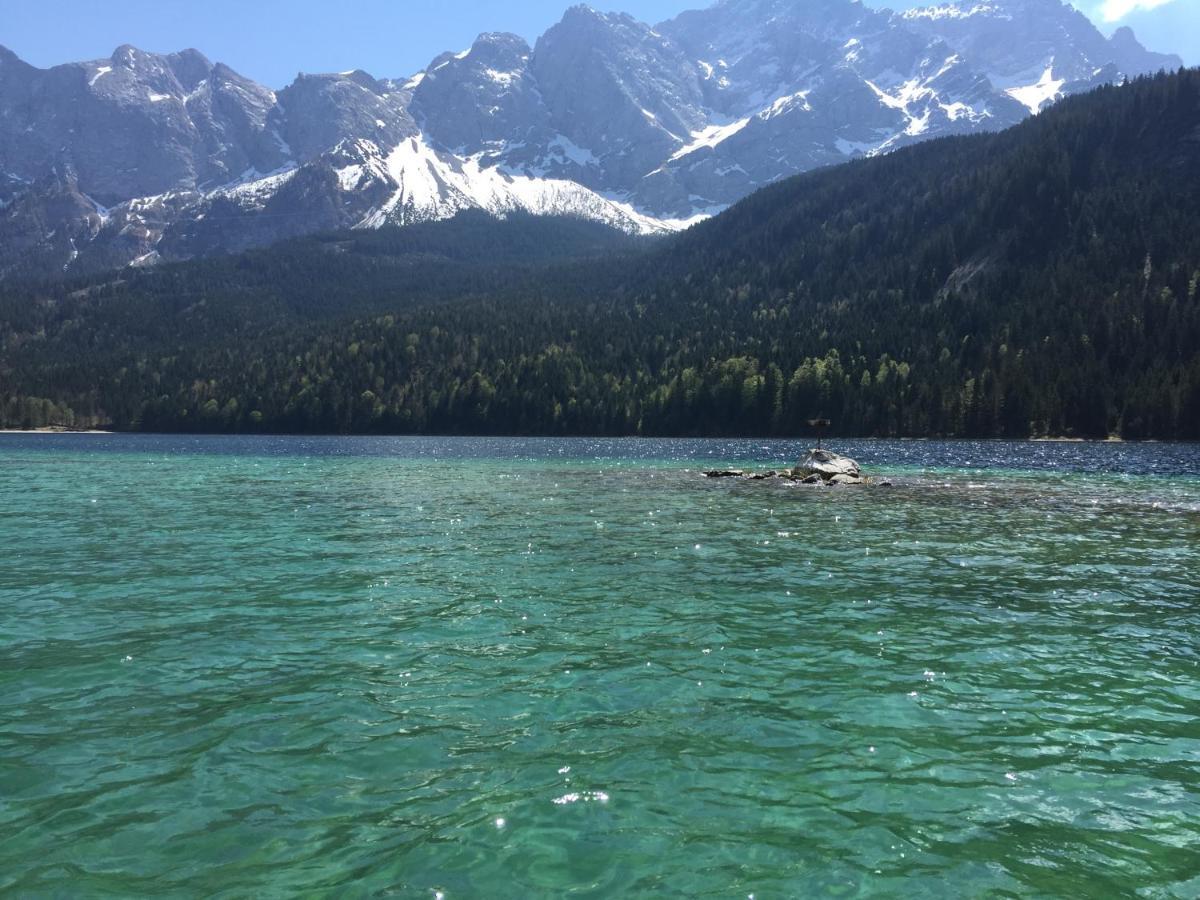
530 668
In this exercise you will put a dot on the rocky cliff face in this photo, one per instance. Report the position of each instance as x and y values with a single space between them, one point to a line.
317 112
1036 50
484 100
135 124
142 157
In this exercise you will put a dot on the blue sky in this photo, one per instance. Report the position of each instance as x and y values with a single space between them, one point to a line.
271 40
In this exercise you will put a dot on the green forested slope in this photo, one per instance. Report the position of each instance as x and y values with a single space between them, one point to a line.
1042 280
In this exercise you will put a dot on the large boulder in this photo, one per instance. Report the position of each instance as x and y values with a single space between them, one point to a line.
827 465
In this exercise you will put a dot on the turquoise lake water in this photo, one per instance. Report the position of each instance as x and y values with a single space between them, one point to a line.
483 668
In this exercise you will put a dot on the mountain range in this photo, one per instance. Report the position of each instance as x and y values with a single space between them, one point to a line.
144 157
1041 280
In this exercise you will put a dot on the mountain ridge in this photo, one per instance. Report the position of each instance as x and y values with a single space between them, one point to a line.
1042 280
648 128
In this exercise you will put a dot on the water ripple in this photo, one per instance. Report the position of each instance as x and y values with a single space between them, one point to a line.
278 666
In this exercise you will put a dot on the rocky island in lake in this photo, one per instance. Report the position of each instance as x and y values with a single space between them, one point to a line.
820 467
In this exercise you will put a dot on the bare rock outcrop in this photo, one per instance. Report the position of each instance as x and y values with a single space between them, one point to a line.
819 467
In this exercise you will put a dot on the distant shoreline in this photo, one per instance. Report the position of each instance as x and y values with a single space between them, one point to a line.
1054 439
1112 439
53 430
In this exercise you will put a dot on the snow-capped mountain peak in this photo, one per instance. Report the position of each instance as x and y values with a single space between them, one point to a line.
647 128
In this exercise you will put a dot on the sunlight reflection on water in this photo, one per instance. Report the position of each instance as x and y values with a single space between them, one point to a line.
402 666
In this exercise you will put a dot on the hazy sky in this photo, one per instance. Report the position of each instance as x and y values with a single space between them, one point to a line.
271 40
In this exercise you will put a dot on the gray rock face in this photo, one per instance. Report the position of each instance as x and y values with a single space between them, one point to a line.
48 223
750 50
620 91
1037 50
485 99
317 112
796 86
1132 58
141 156
136 124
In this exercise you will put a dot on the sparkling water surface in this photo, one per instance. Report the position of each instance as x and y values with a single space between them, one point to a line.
542 668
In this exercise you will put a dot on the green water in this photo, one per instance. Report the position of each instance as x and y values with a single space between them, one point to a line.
540 669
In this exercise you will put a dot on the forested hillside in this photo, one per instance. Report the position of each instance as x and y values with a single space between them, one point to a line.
1039 281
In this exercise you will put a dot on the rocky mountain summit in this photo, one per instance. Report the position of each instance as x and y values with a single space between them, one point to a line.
1037 51
141 156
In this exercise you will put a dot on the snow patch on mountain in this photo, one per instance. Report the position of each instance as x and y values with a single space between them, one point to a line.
254 189
782 104
429 184
710 136
1037 96
563 149
955 11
